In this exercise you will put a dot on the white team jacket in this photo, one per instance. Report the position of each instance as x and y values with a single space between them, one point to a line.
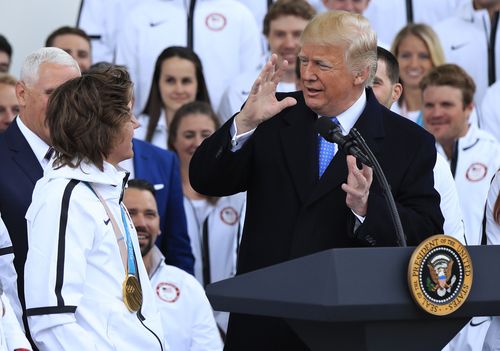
225 35
465 38
187 318
490 114
74 272
387 17
478 160
11 334
224 223
8 275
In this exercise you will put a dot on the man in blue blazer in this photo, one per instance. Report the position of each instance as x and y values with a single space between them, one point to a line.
24 145
161 168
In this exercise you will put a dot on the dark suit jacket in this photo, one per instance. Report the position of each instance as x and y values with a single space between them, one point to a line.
161 167
20 170
292 213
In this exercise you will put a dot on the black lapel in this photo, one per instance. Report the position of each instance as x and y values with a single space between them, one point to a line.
298 139
22 155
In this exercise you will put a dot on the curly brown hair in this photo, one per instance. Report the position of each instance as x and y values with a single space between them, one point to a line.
85 115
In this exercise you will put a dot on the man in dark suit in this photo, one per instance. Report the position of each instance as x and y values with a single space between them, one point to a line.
270 150
161 168
24 145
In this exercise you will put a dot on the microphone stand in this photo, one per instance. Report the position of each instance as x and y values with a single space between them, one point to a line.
382 180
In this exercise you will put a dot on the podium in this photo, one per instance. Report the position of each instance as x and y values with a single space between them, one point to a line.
357 299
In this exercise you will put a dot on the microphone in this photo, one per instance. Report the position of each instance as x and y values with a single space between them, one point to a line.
355 145
332 133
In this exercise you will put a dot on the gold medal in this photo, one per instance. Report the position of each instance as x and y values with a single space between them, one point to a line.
132 293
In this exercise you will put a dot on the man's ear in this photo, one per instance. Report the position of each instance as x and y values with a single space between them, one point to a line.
21 93
360 77
397 90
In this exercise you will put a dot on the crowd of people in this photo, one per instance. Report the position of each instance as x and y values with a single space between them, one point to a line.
142 162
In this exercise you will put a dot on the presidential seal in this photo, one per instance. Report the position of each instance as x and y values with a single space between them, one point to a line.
440 274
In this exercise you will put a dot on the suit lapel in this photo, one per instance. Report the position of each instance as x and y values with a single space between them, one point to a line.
22 155
300 154
139 159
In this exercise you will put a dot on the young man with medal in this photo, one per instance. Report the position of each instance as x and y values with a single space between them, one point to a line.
87 287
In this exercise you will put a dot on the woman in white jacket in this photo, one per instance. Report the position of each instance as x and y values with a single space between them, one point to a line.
214 224
86 285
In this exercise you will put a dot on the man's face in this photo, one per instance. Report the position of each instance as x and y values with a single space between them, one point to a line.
445 115
9 107
329 85
284 38
383 88
77 47
33 98
4 62
141 205
355 6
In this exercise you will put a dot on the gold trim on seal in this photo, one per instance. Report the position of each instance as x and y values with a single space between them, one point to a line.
447 267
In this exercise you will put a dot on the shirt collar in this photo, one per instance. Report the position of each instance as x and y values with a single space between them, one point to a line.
348 118
38 146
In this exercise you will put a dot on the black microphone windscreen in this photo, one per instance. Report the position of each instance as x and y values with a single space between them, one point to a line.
325 127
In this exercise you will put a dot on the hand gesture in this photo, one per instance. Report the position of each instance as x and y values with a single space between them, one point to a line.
357 187
262 103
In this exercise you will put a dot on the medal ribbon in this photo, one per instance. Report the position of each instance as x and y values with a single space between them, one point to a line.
119 237
131 269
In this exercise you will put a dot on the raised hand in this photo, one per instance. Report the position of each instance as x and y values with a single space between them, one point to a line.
262 103
357 186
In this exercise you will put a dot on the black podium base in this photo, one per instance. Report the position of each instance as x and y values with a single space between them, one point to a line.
428 335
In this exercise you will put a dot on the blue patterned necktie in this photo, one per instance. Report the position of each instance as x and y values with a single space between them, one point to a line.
326 151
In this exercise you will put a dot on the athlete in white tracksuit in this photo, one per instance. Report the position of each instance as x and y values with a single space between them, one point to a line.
74 271
478 158
221 223
187 318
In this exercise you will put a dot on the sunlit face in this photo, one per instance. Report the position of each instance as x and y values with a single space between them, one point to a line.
328 83
284 38
192 130
33 98
9 107
414 60
382 85
4 62
141 204
354 6
122 150
77 47
178 84
445 115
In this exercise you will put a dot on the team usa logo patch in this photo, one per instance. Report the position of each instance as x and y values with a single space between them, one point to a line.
168 292
229 215
440 275
476 172
216 22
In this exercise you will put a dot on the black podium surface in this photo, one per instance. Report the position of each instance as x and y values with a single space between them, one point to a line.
357 299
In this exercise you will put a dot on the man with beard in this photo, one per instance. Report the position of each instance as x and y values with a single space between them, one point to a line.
187 317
